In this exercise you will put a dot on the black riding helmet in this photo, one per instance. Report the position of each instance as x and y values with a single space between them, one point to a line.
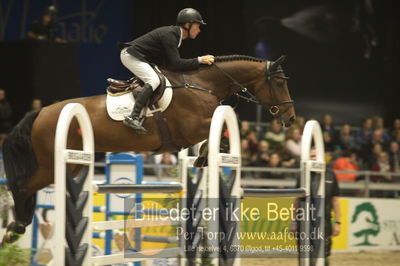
189 15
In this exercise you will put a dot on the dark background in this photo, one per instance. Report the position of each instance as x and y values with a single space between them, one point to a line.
328 75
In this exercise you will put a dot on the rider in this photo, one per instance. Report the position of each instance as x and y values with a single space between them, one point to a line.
160 47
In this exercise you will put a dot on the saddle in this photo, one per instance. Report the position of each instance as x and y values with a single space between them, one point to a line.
135 85
121 104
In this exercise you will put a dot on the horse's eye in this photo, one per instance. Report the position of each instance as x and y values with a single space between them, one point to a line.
280 83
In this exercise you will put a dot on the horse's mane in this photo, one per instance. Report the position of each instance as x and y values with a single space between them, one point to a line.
236 57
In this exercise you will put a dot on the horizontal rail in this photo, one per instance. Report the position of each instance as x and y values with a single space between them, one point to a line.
268 169
99 235
142 255
161 239
273 192
51 207
113 259
132 223
138 188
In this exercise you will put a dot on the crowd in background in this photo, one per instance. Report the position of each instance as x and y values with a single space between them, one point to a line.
366 147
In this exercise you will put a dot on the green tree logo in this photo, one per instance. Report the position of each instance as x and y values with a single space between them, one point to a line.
366 216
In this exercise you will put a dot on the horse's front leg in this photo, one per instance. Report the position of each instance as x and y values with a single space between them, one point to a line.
202 159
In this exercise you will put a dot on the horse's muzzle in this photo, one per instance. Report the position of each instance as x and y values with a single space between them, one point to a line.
289 122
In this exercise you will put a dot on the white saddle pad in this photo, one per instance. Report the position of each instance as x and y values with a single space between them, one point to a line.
120 106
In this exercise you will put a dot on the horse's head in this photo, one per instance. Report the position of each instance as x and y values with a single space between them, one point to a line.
263 82
272 91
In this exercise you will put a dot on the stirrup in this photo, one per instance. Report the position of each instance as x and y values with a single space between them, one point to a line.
129 121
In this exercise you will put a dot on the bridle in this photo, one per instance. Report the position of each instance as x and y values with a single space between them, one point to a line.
273 108
279 74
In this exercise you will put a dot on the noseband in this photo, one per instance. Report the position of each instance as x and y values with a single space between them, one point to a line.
278 73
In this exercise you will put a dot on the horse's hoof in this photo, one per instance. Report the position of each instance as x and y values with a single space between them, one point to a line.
200 162
14 232
10 237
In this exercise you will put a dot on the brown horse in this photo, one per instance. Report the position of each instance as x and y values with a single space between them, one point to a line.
29 148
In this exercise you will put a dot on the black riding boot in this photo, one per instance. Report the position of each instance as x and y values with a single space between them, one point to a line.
140 101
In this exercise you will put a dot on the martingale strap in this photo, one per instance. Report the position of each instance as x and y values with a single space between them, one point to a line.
186 84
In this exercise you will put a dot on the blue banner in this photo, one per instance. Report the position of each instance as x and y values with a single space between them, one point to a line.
97 25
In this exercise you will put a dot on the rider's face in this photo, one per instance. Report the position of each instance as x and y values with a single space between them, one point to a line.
194 30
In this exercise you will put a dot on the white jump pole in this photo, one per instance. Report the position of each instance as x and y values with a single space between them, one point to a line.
222 115
62 157
312 132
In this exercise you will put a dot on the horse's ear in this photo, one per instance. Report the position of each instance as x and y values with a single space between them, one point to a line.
278 62
281 59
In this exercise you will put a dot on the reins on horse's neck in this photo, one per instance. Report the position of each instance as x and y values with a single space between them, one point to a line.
251 97
186 84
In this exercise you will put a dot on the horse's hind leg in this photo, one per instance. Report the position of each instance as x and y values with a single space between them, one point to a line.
24 195
24 209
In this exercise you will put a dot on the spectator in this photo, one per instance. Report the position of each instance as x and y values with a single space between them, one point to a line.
244 128
5 113
382 165
45 28
327 125
293 143
396 136
274 162
376 138
345 140
394 156
253 142
248 158
332 150
378 123
166 159
396 126
348 161
262 154
148 160
299 123
363 134
276 136
245 152
373 156
36 104
247 133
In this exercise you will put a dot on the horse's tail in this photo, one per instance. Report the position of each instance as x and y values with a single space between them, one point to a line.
19 158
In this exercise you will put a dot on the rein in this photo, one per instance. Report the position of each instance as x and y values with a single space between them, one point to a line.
250 98
186 84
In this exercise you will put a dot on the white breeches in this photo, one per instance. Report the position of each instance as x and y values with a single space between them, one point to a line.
141 69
